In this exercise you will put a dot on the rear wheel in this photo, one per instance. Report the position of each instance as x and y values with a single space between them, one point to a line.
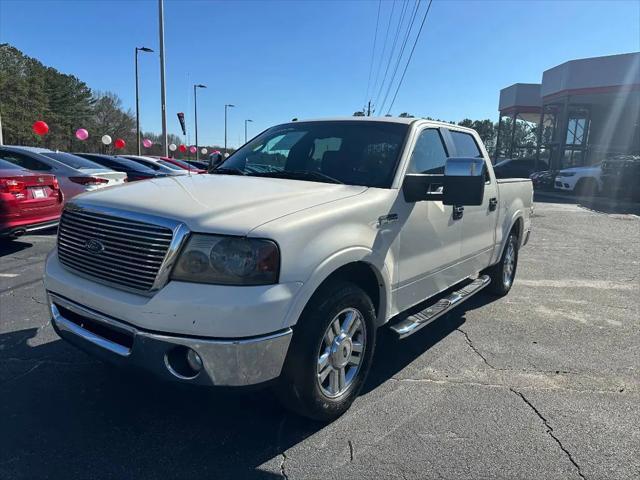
330 353
503 273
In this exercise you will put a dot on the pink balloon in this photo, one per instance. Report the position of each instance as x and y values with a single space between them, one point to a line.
82 134
147 143
193 149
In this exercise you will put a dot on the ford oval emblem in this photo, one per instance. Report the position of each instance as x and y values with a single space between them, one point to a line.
94 246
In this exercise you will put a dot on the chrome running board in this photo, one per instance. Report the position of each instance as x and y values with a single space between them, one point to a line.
415 322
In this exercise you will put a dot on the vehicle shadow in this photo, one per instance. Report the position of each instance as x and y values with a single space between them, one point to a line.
596 203
9 246
65 415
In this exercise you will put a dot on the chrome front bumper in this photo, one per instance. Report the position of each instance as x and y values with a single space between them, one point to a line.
225 362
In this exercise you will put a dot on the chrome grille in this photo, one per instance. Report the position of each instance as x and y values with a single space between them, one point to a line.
115 250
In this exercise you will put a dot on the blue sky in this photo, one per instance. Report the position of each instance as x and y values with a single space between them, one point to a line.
282 59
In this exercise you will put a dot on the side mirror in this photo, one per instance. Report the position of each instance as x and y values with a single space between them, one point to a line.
418 187
464 181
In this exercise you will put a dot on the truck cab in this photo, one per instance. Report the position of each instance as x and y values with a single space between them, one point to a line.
280 267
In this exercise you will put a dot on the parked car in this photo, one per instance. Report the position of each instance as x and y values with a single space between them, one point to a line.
621 176
543 180
580 180
182 164
135 171
28 201
518 167
197 164
75 174
284 273
157 165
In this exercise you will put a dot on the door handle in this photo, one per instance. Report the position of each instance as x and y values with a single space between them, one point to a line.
458 212
493 204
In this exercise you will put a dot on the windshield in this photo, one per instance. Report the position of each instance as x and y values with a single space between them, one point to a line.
169 165
73 161
350 152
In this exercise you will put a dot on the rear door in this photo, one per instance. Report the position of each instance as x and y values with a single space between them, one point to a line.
478 222
430 236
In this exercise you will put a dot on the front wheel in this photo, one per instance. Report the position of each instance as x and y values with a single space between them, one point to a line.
503 273
330 353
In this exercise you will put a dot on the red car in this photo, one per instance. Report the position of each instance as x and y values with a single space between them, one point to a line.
182 164
28 201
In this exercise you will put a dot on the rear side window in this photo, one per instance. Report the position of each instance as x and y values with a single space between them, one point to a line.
429 154
73 161
24 161
465 145
4 165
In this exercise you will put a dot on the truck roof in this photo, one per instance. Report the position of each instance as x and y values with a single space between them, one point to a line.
403 120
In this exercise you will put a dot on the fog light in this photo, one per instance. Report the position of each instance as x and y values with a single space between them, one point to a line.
194 360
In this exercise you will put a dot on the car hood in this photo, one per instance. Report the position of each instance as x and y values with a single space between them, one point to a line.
225 204
590 169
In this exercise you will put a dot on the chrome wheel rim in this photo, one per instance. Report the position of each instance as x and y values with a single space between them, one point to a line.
509 265
341 353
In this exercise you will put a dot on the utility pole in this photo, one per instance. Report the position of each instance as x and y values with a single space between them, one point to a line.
245 129
163 89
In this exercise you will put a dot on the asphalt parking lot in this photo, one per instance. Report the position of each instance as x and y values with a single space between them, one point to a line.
542 384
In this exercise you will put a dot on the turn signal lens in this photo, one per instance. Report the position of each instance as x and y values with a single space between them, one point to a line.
89 180
11 185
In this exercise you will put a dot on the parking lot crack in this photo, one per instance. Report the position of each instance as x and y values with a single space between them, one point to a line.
475 350
350 450
550 432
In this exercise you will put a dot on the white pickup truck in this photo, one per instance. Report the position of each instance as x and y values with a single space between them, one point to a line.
279 267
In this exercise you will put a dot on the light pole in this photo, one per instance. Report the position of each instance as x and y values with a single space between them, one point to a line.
148 50
163 86
245 129
228 105
195 114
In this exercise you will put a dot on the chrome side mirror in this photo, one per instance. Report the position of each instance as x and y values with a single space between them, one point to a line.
464 181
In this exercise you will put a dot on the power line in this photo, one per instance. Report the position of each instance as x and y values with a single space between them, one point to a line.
384 46
393 48
410 56
404 44
373 51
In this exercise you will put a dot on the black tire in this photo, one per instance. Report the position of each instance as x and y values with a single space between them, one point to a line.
299 388
499 285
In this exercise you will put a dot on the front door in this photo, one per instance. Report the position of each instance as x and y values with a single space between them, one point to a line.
430 237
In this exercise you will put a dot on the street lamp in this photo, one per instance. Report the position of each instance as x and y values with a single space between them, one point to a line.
195 114
147 50
228 105
245 129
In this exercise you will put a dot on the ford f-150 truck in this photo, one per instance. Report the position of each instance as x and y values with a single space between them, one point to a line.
279 267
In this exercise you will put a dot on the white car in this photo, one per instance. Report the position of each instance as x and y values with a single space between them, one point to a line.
75 174
581 180
281 265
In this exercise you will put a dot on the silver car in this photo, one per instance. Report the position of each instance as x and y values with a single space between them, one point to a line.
75 174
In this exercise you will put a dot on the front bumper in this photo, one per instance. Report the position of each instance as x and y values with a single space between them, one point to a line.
225 362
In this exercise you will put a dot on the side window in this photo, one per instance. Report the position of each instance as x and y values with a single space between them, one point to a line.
24 161
465 145
322 146
429 154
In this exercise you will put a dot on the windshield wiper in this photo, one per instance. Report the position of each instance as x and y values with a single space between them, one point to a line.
228 171
298 175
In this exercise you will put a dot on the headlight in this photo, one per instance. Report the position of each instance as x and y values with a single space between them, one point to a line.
228 261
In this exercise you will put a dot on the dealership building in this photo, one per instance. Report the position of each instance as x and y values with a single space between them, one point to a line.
582 112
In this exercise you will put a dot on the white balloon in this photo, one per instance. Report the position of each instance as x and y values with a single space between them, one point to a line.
173 147
204 151
106 139
226 155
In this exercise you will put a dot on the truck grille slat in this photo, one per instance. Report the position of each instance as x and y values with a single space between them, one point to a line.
112 236
119 251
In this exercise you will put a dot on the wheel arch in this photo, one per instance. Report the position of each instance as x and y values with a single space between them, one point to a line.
357 265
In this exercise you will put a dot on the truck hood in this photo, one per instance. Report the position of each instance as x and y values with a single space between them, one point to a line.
225 204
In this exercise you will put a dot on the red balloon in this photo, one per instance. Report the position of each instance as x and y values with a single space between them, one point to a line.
119 143
183 148
40 128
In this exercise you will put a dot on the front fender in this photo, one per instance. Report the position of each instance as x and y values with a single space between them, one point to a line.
331 264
